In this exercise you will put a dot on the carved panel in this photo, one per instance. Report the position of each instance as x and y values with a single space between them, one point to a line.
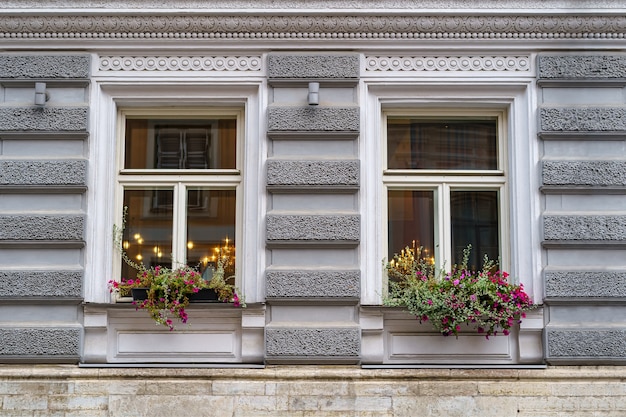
180 63
313 26
447 63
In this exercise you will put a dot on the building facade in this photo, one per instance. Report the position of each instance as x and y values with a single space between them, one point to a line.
288 134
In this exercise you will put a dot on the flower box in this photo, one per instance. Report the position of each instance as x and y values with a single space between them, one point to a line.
204 295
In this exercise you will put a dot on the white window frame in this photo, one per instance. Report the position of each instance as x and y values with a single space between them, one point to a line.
516 98
441 182
108 96
180 179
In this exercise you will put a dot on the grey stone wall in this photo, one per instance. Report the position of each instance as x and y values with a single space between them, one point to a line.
583 126
39 239
312 280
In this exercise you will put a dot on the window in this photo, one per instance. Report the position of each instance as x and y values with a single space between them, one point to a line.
179 181
445 182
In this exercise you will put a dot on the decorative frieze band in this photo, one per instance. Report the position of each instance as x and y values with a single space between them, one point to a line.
181 63
448 63
314 26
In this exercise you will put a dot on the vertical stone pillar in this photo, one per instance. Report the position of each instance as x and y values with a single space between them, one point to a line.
43 174
583 125
313 226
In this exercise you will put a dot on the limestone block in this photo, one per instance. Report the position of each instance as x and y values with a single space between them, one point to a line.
592 173
572 284
283 227
303 173
313 118
44 66
43 343
38 172
313 284
41 227
319 342
313 66
581 66
609 228
41 283
43 119
582 119
586 344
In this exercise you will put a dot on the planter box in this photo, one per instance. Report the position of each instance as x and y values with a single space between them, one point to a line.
205 295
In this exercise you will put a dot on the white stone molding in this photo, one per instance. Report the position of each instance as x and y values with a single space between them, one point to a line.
312 25
517 64
180 63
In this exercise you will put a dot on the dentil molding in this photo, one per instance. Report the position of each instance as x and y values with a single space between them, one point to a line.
313 26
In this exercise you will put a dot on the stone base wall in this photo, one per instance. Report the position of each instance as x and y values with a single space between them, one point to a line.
70 391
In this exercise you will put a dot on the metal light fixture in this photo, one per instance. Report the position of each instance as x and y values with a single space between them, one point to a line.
314 94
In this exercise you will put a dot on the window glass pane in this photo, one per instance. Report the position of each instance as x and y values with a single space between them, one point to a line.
441 144
211 229
153 143
411 221
147 236
474 217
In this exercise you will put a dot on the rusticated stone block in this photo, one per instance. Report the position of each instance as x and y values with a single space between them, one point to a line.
605 284
318 342
41 227
313 66
313 227
581 66
43 343
583 119
592 173
314 119
609 228
44 66
41 284
313 284
326 173
586 344
61 172
43 119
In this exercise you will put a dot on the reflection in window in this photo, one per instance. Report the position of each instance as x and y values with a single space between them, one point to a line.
180 143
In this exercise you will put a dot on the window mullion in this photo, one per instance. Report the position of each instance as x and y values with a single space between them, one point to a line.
179 225
444 226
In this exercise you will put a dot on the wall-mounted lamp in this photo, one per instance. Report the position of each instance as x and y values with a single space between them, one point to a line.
41 96
314 94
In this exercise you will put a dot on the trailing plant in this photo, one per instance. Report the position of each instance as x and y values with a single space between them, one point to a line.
483 299
169 290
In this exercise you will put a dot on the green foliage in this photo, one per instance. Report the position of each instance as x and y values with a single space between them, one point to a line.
168 290
448 300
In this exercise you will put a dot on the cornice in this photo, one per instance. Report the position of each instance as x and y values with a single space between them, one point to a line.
313 26
317 4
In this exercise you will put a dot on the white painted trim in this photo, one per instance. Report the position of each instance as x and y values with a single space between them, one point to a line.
517 97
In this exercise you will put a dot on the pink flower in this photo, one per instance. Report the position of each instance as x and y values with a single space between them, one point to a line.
429 302
455 282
